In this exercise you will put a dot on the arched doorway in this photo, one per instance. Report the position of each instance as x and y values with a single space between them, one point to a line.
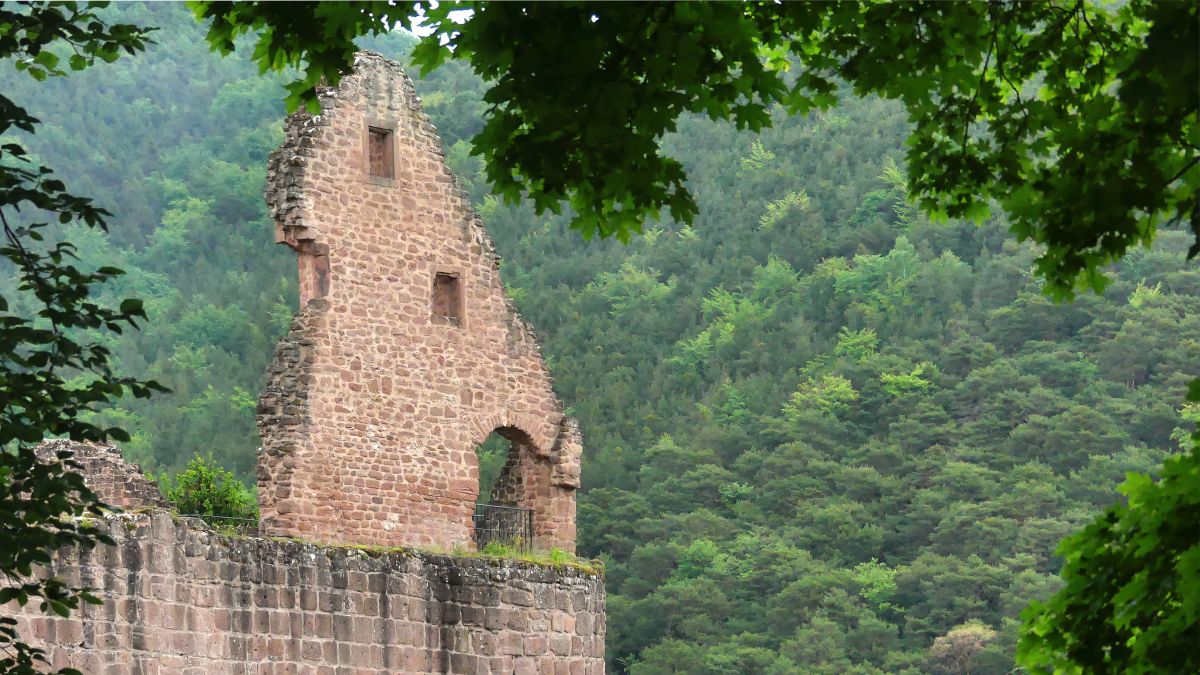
509 472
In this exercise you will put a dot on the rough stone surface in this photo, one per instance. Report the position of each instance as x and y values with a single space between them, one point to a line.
117 482
180 598
379 394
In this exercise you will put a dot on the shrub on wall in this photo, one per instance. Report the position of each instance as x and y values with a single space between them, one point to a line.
208 490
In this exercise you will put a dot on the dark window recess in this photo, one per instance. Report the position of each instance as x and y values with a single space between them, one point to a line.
379 153
447 298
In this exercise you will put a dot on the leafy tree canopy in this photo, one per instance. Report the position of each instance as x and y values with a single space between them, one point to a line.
1078 119
1132 599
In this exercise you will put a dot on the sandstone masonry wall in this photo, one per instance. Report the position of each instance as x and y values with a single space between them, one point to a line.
117 482
180 598
385 384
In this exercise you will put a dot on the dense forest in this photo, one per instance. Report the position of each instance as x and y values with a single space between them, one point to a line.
822 430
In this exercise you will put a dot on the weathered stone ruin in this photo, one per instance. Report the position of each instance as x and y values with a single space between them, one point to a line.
405 354
116 482
182 598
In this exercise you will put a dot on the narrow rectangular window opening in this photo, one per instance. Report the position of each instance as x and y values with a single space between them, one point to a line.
447 298
379 152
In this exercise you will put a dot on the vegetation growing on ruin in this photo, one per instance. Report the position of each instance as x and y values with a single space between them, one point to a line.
207 490
555 557
495 552
824 433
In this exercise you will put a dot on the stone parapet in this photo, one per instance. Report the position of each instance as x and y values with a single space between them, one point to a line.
181 598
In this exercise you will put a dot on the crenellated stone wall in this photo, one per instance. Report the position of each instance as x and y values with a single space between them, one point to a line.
181 598
405 354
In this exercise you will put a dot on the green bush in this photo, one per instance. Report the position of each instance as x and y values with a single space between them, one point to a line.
207 490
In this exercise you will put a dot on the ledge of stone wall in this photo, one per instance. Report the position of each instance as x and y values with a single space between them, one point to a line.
180 597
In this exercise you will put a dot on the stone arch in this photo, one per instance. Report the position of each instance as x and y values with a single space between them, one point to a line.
517 479
525 482
540 434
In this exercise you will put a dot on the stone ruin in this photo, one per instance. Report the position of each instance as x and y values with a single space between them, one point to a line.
179 597
405 354
116 482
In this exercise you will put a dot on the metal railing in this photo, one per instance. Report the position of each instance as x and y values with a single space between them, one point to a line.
508 526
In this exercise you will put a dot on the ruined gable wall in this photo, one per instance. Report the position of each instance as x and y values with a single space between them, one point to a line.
180 598
374 406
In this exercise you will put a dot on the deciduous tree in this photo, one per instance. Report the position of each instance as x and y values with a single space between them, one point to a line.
51 375
1078 119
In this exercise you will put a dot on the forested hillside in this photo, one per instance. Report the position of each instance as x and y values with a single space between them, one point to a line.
821 430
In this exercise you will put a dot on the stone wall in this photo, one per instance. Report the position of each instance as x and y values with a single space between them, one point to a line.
405 354
180 598
117 482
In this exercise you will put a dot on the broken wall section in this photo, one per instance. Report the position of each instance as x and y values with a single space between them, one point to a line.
406 353
115 481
